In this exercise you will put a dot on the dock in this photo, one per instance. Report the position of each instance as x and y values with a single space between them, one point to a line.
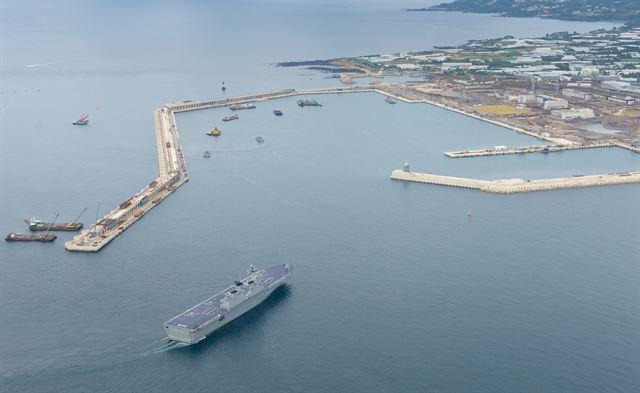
502 150
173 173
512 186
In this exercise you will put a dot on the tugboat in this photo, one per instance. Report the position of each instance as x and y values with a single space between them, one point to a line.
207 154
19 237
259 139
214 132
237 107
229 118
303 103
389 100
82 121
277 112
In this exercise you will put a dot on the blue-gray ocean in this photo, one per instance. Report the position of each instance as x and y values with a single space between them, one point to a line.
394 287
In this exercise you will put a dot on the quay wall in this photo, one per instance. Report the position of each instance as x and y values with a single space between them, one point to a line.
511 186
173 174
525 149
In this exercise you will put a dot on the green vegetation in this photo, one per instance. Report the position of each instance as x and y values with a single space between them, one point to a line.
582 10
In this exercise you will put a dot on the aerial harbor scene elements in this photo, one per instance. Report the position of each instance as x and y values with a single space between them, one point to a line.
320 196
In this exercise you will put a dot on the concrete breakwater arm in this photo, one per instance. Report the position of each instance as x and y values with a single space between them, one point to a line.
511 186
498 151
173 174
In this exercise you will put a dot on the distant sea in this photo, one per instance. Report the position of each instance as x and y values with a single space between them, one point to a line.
394 287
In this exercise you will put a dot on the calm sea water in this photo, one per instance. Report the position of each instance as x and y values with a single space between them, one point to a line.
394 288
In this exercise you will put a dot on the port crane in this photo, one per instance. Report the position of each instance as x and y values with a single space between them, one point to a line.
95 227
79 215
52 224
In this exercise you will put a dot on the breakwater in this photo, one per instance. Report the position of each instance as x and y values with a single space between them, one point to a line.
511 186
502 150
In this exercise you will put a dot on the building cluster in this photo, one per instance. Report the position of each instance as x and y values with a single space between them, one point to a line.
556 107
606 59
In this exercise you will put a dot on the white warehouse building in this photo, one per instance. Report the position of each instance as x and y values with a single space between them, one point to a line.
574 113
556 104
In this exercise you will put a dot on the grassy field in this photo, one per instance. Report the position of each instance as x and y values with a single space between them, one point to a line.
502 110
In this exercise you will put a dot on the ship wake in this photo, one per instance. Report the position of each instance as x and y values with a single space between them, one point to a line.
163 345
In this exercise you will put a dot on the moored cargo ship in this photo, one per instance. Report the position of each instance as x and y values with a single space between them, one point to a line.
202 320
303 103
19 237
229 118
236 107
37 225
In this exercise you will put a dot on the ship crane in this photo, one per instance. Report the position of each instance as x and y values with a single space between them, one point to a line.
79 215
52 224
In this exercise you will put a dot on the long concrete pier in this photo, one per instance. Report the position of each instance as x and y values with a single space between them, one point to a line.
511 186
173 173
184 106
498 151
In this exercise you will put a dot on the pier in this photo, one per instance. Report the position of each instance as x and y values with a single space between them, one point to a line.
184 106
173 173
511 186
501 150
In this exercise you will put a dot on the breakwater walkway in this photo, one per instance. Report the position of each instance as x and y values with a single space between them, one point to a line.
173 173
501 150
511 186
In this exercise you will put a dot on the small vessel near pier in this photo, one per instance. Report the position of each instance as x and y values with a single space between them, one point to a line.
38 225
19 237
82 121
390 100
215 132
230 118
237 107
303 103
202 320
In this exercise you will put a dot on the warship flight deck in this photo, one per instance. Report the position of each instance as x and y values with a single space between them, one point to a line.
210 310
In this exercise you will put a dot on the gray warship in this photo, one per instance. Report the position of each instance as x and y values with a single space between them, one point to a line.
202 320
